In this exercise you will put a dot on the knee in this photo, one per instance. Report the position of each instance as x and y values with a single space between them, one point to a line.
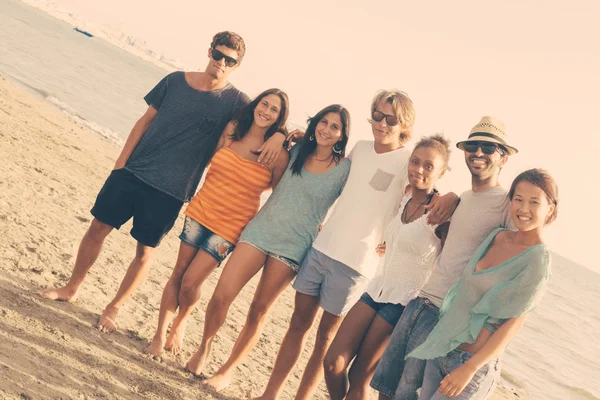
324 334
188 292
144 253
220 302
334 364
258 311
98 230
300 323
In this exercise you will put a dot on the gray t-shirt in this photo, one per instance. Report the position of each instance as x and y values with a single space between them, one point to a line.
181 139
477 215
289 221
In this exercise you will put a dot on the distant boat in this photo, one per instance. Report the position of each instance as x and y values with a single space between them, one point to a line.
84 32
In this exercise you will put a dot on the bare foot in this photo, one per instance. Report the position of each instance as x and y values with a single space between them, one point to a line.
218 382
175 340
196 363
155 349
60 294
107 322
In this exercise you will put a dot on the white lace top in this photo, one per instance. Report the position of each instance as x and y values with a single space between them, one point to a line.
411 250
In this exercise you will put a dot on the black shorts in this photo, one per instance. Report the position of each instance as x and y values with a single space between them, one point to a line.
124 196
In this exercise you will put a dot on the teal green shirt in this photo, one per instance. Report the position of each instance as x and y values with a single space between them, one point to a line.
491 296
289 221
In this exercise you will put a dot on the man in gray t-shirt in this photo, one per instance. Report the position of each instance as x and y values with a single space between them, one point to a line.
160 166
481 210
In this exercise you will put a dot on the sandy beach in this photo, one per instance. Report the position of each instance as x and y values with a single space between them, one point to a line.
51 172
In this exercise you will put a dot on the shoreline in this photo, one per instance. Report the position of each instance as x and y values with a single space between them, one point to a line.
53 170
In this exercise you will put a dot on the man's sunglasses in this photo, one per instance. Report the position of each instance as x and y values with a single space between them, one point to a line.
391 120
486 147
218 56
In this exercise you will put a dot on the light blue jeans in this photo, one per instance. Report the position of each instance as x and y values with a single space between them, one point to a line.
396 376
480 388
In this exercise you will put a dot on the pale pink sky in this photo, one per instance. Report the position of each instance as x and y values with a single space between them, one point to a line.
533 64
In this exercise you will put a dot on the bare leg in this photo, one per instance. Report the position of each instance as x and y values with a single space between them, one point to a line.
89 249
344 348
314 368
201 267
305 311
244 263
136 274
368 357
275 278
169 302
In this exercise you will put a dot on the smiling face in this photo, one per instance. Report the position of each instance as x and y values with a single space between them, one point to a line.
329 129
382 132
530 208
218 69
425 167
267 111
484 166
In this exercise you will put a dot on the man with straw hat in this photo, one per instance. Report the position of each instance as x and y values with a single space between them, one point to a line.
482 209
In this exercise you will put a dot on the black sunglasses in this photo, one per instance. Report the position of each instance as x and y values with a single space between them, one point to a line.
391 120
486 147
218 56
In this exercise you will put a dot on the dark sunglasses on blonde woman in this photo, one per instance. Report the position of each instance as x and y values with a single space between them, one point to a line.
391 120
217 56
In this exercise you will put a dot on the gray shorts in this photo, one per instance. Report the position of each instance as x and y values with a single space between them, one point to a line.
338 286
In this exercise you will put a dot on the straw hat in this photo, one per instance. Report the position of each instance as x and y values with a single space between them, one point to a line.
489 129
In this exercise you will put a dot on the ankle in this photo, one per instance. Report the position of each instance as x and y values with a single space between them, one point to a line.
112 307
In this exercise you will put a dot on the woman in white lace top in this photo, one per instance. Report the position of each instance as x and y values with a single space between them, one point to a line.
411 247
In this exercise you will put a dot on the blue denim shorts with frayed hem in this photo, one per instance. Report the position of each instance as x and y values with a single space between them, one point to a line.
197 235
396 377
480 387
287 261
389 312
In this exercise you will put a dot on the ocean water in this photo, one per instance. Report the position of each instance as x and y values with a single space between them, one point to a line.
555 356
90 80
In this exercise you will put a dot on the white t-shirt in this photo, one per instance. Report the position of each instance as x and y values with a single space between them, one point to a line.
372 194
411 250
477 215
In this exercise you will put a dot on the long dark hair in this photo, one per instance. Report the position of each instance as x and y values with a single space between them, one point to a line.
244 118
309 144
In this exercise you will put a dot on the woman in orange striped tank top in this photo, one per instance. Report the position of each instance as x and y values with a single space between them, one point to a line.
216 216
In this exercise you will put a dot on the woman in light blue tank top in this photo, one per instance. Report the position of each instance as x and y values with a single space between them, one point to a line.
279 236
504 281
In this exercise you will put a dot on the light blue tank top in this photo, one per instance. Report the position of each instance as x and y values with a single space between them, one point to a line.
289 221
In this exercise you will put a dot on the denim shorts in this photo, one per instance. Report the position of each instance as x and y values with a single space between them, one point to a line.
396 377
389 312
287 261
480 388
200 237
337 286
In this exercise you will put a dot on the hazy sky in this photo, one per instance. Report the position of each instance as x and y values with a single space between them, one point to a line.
533 64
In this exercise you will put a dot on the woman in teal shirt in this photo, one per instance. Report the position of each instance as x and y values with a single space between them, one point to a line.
279 236
505 280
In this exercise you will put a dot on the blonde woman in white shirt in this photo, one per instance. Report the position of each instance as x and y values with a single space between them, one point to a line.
411 247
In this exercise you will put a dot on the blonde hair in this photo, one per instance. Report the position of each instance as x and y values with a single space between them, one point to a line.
403 108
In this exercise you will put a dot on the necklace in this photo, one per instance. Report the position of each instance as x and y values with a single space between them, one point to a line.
324 159
403 217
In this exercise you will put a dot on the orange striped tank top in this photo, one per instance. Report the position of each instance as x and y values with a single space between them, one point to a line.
230 195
